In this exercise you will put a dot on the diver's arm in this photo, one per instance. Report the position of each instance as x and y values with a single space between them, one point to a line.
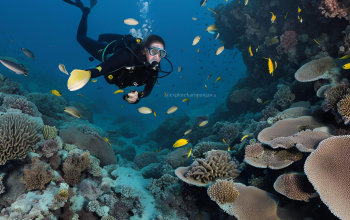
117 60
148 87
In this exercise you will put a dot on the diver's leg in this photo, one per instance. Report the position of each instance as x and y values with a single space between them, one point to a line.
93 47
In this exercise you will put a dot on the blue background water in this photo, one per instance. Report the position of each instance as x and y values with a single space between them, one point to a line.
48 28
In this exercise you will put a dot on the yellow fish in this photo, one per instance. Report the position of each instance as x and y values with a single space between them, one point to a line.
270 64
244 137
122 106
198 51
223 140
273 18
275 64
286 15
346 66
180 143
107 141
345 57
80 95
154 113
250 51
93 80
186 100
195 19
118 91
266 102
246 2
203 123
228 149
189 153
55 92
165 94
206 87
219 78
316 41
209 76
257 49
180 77
158 149
299 9
211 10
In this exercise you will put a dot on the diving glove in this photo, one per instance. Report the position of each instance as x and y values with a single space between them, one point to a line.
78 79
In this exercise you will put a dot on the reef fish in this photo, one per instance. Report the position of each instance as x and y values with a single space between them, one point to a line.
316 41
219 78
209 76
244 137
188 131
131 21
219 50
193 18
72 111
145 110
203 123
172 109
28 53
212 28
189 153
186 100
270 65
273 18
107 141
55 92
14 67
196 40
62 68
179 69
202 2
246 2
180 143
118 91
345 57
266 102
346 66
250 51
211 10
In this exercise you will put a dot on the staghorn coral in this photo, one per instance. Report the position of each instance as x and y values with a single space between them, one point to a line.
37 174
328 166
222 192
289 40
283 97
263 157
17 136
73 166
216 165
49 132
294 186
344 109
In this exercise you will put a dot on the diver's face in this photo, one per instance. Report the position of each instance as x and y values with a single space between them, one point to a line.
156 57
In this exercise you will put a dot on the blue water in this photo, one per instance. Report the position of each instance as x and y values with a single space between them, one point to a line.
48 28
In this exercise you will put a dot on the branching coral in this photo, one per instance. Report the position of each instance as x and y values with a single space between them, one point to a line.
335 8
334 95
49 132
344 109
37 174
216 165
22 104
284 97
222 192
289 40
73 166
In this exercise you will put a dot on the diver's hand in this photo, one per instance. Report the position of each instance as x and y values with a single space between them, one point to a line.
132 96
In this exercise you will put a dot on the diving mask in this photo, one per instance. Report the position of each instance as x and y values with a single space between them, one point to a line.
154 50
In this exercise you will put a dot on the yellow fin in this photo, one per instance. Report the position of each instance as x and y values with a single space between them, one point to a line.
99 68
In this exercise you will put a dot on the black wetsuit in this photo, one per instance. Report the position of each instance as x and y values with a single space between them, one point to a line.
113 68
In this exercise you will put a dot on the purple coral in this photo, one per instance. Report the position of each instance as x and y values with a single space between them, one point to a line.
22 104
50 147
289 40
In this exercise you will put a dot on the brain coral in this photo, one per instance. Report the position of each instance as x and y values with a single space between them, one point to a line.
327 168
18 134
314 70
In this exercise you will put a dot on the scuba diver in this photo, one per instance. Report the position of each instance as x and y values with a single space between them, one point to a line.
126 61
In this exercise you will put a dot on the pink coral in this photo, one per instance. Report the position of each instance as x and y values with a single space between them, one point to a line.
289 40
335 8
